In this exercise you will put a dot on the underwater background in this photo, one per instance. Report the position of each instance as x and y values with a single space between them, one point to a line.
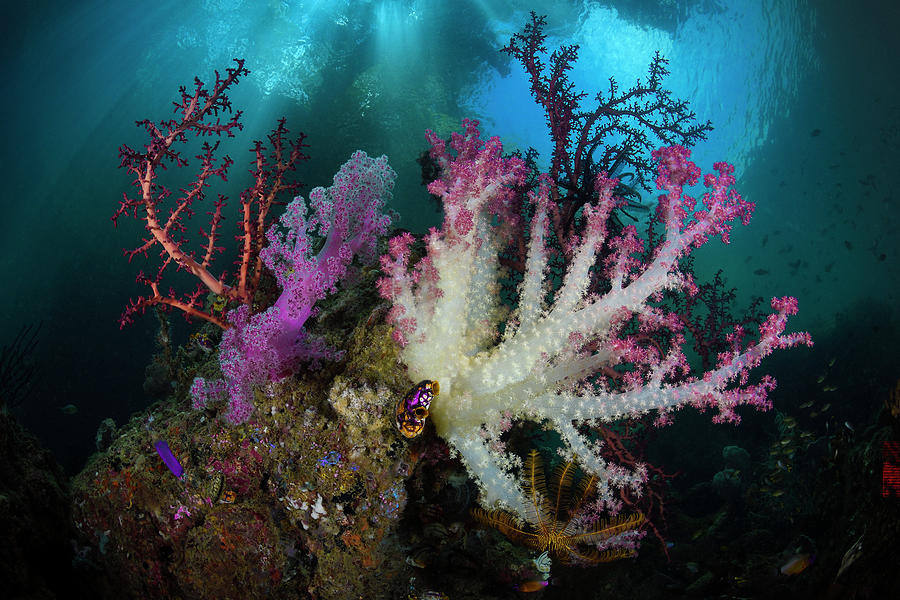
803 100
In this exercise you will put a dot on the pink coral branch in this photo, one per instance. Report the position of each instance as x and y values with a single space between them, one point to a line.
197 109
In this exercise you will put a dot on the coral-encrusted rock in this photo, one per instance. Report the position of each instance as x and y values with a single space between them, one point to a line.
219 562
301 501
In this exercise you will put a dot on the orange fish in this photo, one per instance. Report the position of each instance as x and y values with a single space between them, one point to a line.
531 586
797 564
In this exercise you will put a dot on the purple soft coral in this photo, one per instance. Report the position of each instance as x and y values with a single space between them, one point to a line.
270 345
348 215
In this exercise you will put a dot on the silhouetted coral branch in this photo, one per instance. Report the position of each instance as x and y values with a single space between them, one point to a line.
16 367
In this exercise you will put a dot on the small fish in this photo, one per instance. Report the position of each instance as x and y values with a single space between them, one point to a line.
416 561
761 272
777 493
849 426
830 388
797 564
806 404
831 362
850 556
533 585
68 409
820 378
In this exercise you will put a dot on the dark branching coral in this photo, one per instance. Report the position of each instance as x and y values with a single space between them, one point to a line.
17 369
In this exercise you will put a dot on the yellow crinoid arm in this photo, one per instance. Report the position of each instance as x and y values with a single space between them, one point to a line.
561 489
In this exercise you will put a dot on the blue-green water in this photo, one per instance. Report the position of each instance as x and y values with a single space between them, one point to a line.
803 99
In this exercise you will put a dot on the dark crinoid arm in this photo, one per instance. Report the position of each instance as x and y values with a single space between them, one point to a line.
506 524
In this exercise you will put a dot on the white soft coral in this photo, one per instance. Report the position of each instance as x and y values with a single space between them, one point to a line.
447 315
